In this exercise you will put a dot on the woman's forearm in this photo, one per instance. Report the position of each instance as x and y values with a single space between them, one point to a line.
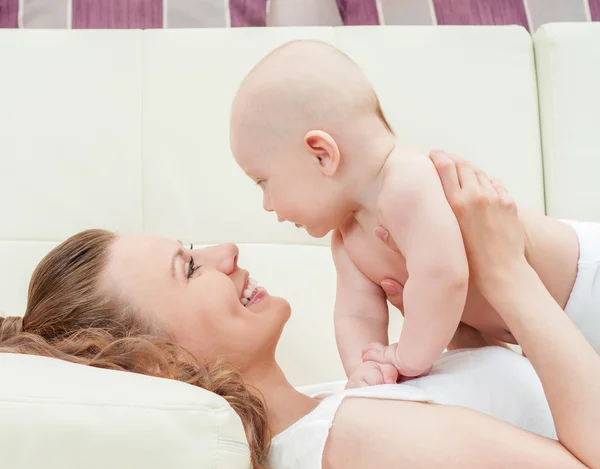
567 365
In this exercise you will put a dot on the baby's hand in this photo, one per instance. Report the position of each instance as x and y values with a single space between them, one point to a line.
371 374
386 355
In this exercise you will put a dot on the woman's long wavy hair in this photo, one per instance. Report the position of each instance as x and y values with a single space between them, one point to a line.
68 317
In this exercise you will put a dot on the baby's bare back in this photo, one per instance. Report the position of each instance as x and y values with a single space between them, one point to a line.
552 249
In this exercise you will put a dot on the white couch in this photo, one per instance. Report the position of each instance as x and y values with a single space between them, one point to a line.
127 130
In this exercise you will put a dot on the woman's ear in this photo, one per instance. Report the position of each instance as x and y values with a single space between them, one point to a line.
324 150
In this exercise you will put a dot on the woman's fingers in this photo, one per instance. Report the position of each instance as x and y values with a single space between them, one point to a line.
486 185
501 190
384 235
394 292
448 174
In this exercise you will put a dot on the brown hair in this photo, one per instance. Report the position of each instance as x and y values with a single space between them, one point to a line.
68 317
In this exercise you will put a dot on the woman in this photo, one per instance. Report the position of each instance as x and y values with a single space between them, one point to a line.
148 305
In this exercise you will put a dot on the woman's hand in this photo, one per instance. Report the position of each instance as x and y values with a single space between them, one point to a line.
567 365
492 232
494 240
394 292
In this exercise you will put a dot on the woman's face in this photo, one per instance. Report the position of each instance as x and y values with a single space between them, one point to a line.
200 297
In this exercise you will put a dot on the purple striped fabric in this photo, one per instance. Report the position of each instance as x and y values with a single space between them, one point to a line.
9 13
358 12
480 12
220 13
248 12
117 14
595 9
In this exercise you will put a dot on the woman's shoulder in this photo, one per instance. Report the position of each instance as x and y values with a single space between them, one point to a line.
340 423
302 445
378 432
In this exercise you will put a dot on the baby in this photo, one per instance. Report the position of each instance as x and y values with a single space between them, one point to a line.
307 127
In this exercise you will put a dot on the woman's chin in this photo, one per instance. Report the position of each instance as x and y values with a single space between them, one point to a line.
281 309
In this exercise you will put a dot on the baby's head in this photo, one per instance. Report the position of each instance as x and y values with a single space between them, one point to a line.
307 126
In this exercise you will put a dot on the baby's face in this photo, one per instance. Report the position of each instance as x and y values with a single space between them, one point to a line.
292 185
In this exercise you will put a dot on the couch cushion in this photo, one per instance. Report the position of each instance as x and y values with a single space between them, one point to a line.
61 415
70 132
143 146
129 131
568 65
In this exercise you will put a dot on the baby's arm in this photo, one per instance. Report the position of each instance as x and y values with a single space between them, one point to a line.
421 223
361 312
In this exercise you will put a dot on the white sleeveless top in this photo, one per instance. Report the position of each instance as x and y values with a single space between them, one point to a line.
491 380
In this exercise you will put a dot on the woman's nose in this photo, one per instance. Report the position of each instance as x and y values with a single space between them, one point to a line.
222 257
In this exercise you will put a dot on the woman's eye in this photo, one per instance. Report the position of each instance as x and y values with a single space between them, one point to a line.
192 267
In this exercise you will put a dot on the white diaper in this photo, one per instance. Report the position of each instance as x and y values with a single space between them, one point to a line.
583 306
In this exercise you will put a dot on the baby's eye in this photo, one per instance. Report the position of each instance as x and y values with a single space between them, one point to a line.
261 182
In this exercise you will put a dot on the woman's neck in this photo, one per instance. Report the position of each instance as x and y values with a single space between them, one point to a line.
285 405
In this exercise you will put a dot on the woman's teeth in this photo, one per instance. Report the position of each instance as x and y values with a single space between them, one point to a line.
249 291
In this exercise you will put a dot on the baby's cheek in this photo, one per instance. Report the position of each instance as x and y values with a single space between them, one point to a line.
298 211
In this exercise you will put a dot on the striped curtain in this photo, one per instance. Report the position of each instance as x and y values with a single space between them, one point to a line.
144 14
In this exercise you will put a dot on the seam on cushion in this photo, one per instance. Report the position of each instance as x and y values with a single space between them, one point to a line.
143 127
29 240
540 126
204 243
163 407
549 150
552 100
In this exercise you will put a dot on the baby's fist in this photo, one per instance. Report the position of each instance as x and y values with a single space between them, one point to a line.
371 374
388 355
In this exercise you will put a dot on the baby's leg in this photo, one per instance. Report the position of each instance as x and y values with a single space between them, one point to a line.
583 306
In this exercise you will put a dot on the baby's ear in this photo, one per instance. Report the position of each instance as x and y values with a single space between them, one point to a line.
324 151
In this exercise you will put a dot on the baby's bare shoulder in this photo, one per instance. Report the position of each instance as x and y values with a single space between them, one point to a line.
404 160
407 175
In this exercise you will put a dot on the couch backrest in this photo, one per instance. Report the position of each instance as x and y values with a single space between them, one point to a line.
568 64
127 130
